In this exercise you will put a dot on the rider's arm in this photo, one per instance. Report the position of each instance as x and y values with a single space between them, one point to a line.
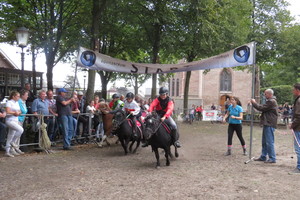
153 105
170 109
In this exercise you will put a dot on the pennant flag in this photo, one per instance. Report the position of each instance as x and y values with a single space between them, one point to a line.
243 55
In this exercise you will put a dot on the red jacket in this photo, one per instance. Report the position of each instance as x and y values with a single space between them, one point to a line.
111 104
167 110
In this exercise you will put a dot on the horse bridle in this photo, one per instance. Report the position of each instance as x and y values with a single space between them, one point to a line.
154 132
119 123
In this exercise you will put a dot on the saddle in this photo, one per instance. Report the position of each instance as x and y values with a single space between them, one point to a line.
166 127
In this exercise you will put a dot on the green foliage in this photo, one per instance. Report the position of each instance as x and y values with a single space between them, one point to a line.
283 93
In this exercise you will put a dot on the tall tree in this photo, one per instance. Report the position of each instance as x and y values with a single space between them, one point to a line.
209 27
269 19
54 26
97 12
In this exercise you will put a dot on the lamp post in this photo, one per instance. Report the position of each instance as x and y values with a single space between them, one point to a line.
22 35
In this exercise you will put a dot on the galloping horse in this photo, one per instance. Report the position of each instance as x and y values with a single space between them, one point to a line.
158 135
122 127
107 119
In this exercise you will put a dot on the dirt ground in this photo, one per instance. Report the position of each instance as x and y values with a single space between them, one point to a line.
201 171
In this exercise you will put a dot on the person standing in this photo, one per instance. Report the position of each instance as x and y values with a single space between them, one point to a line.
22 104
65 116
269 121
15 130
30 98
2 128
295 125
51 126
235 114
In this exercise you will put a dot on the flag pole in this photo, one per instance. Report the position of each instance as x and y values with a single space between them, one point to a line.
75 77
252 110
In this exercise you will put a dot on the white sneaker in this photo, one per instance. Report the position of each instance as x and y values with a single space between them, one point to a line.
104 137
13 152
19 151
9 155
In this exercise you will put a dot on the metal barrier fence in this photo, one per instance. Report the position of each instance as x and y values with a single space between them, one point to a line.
39 122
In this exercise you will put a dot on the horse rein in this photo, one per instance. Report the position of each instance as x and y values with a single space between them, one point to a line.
119 124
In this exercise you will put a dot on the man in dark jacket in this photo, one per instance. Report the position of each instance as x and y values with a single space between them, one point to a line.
296 126
2 127
269 122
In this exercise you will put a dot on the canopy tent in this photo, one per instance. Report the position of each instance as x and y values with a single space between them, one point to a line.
240 56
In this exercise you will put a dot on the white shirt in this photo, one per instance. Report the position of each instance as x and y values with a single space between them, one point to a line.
90 109
132 106
14 106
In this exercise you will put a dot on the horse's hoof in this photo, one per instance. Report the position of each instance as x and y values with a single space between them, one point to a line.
168 164
176 155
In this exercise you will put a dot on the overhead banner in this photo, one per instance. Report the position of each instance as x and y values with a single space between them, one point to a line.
243 55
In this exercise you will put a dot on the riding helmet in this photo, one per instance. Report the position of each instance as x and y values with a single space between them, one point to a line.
129 95
114 96
163 90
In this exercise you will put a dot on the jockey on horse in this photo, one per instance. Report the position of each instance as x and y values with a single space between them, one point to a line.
116 103
164 107
133 109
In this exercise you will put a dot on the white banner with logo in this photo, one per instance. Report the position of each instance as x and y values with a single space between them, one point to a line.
210 115
243 55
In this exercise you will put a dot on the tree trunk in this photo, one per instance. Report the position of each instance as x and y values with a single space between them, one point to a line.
49 63
33 69
98 5
186 91
104 83
136 84
156 45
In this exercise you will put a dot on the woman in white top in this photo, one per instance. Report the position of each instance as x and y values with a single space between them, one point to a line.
15 130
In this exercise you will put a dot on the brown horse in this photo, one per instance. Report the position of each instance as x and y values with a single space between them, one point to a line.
107 121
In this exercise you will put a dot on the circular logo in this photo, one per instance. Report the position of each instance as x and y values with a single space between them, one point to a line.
242 54
88 58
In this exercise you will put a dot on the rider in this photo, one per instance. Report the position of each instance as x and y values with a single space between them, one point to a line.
116 102
115 105
164 107
133 109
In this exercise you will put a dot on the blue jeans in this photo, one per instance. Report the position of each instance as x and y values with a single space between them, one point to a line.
74 126
268 148
2 133
171 123
297 148
66 122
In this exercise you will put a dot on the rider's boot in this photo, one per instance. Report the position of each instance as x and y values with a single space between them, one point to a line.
173 137
134 131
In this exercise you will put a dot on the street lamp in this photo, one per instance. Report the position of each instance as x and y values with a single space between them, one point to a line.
22 35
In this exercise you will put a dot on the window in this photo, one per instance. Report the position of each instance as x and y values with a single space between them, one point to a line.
177 87
2 78
13 79
225 81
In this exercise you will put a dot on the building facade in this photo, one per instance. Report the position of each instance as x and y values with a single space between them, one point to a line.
10 76
212 87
